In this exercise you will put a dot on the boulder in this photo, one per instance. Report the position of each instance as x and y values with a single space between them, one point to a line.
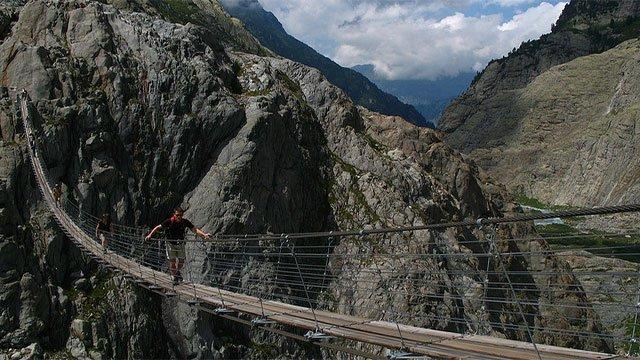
81 330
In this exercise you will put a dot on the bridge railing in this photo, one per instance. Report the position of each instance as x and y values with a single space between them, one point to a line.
572 287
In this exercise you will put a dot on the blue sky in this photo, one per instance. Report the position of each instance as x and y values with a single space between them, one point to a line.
408 39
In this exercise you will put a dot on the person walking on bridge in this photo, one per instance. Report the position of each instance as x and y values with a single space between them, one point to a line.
104 227
57 193
174 228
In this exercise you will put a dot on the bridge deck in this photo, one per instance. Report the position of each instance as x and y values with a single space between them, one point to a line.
438 344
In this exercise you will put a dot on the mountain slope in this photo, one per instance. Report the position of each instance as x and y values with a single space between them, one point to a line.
585 27
494 113
266 28
578 138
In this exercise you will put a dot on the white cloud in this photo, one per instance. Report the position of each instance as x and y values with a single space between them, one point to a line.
512 2
410 38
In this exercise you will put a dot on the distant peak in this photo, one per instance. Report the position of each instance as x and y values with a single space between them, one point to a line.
584 14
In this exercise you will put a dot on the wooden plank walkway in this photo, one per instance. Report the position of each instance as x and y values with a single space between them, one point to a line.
434 343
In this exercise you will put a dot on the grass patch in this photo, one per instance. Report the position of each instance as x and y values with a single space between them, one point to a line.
361 201
525 200
71 293
376 145
357 195
556 229
633 348
265 350
529 201
10 143
63 354
564 237
180 11
291 85
352 170
257 92
95 305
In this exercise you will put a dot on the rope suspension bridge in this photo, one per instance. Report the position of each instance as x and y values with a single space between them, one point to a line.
389 288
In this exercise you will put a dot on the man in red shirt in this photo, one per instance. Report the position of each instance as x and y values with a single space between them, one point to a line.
174 230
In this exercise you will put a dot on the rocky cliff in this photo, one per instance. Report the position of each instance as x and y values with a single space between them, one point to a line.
140 108
559 132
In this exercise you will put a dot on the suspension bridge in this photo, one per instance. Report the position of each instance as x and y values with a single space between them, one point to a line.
360 292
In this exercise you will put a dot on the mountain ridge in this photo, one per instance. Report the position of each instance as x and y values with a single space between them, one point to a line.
269 31
577 33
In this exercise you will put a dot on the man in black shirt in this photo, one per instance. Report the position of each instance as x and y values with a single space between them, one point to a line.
104 227
174 230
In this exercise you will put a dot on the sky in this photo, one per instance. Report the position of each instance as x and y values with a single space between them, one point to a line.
415 39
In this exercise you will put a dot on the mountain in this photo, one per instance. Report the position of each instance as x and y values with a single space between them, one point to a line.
552 120
141 106
266 28
429 97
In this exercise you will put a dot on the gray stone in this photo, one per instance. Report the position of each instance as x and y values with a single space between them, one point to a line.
77 348
81 329
95 355
94 143
82 284
76 275
33 352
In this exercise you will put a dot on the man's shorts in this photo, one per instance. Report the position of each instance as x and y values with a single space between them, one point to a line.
175 251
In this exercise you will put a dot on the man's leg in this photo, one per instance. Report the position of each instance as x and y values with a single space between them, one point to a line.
180 256
172 266
103 241
179 265
171 254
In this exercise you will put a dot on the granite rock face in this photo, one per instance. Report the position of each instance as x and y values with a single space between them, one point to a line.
138 111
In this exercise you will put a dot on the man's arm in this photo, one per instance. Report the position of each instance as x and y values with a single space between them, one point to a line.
97 227
201 233
148 237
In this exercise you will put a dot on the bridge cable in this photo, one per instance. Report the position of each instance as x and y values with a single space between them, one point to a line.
633 341
217 278
485 288
386 288
304 285
491 238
